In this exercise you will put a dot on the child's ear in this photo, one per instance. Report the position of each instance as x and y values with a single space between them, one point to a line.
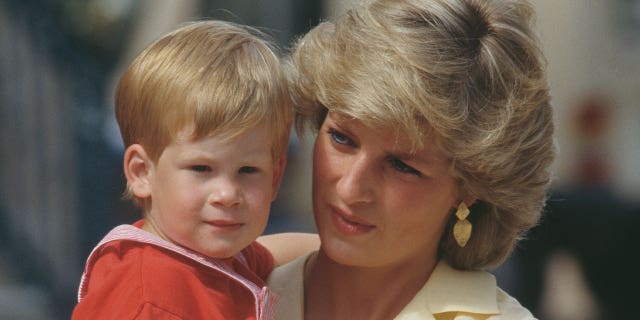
278 173
138 170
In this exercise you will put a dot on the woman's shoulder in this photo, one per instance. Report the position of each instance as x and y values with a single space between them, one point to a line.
289 274
287 281
510 308
453 294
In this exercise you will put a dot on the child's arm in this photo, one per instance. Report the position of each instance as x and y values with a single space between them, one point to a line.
285 247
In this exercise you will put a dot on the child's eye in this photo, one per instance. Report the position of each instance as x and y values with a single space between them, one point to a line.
200 168
248 169
403 167
339 138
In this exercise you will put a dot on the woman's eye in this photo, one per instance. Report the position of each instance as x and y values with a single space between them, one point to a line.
248 169
200 168
339 137
404 168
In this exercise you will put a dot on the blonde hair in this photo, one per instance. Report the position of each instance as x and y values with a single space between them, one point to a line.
471 73
209 77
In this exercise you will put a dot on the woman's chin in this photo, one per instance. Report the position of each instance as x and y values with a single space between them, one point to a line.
346 254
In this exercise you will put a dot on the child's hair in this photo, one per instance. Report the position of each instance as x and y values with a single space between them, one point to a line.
207 77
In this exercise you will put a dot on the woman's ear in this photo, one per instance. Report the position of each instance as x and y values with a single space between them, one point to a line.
278 173
469 201
138 171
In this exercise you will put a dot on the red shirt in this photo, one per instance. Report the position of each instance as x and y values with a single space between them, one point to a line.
132 274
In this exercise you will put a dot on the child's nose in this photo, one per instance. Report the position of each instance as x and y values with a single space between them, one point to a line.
225 193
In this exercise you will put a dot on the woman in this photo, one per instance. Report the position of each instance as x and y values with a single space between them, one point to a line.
432 159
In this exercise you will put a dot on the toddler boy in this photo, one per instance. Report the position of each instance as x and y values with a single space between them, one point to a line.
204 113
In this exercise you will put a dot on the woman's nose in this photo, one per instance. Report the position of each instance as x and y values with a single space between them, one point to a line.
225 192
357 183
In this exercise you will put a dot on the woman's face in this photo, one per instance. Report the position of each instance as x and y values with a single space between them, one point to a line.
375 203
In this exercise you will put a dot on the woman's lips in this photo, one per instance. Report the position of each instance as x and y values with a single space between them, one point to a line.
349 224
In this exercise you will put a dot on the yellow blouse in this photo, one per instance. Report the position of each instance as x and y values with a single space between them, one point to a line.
449 294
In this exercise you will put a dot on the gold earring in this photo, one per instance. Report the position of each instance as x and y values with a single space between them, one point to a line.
462 228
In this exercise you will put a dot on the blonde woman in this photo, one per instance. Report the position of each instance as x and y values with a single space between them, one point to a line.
434 141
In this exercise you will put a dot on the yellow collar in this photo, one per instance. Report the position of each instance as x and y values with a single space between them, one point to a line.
450 290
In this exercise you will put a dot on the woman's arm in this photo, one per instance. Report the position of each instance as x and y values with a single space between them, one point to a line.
286 247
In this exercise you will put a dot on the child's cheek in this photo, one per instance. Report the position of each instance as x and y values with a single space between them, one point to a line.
191 196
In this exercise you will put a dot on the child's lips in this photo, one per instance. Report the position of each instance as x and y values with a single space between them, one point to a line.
222 224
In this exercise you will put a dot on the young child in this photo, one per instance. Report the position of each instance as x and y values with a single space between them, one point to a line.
204 113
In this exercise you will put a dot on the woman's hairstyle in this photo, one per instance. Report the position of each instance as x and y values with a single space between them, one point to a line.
471 73
209 78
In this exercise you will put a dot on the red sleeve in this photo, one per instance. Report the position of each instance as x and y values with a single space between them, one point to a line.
259 260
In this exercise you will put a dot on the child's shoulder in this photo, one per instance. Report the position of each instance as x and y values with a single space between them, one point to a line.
258 259
128 277
149 264
112 283
132 273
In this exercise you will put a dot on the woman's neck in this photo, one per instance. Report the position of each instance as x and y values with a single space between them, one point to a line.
334 291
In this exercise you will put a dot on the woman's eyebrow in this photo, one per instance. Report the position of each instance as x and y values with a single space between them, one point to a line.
424 157
341 122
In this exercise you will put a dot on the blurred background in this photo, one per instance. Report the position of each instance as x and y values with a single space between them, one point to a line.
60 160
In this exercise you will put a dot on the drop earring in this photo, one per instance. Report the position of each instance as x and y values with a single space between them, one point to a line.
462 228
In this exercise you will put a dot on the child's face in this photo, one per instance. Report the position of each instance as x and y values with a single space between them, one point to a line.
213 195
